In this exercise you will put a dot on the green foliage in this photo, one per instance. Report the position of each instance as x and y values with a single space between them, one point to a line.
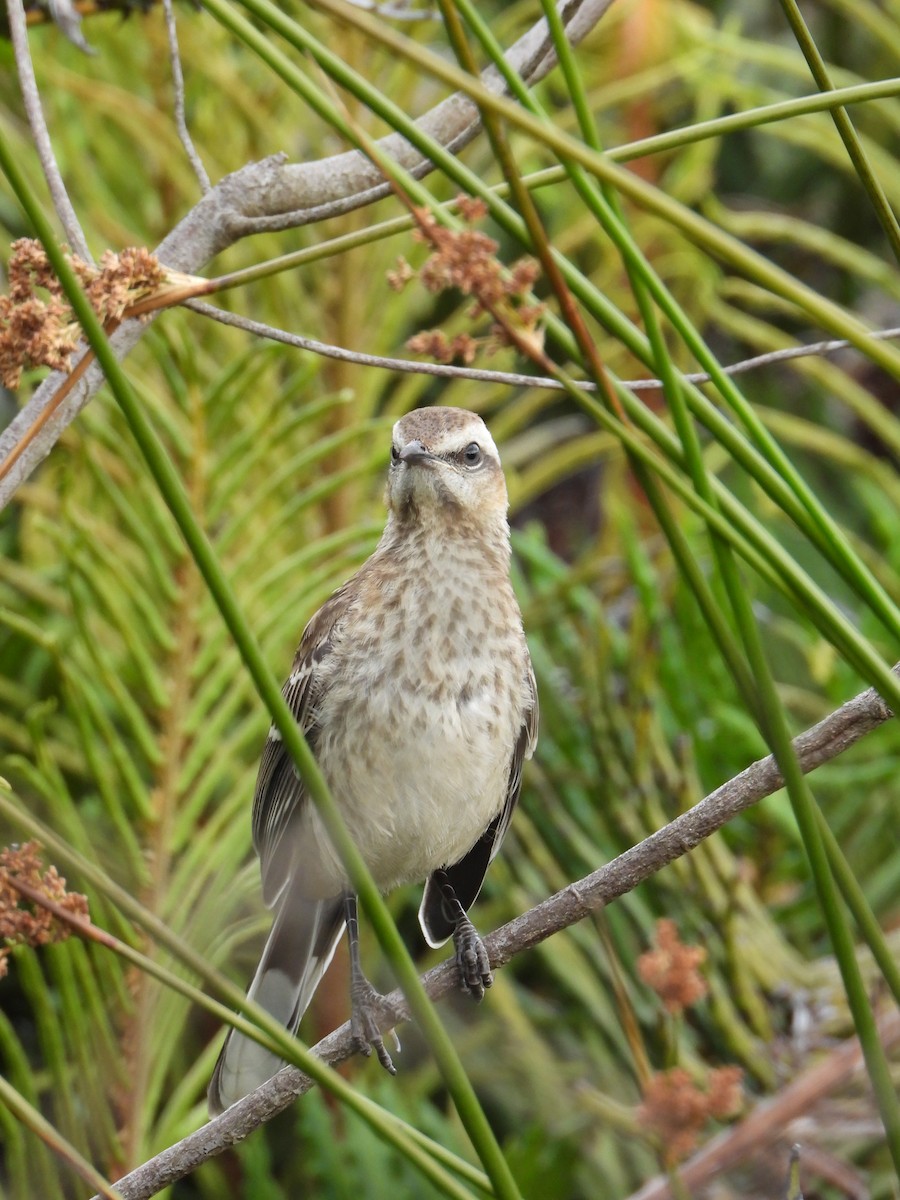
128 725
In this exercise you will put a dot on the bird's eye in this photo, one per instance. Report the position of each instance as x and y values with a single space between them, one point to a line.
395 453
472 455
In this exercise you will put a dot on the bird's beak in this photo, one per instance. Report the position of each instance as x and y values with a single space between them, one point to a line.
415 452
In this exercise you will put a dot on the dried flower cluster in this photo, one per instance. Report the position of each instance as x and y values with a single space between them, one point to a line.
434 343
670 968
23 922
675 1108
41 330
466 259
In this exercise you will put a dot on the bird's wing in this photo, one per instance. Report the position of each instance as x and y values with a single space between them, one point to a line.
467 875
525 744
280 796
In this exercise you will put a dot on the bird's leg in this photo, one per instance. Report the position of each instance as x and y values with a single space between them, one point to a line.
366 1002
471 956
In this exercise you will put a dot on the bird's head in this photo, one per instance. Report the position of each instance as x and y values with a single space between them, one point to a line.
445 467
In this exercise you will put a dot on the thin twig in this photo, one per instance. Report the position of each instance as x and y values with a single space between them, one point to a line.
34 111
823 742
511 378
178 87
327 350
808 350
481 375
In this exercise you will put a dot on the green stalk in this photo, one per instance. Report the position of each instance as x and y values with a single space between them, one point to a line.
302 40
642 274
695 227
750 118
538 238
845 128
176 499
855 899
346 77
764 700
845 878
813 828
808 819
781 477
637 269
50 1136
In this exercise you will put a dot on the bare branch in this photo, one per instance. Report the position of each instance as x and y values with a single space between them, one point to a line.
360 358
510 378
18 31
178 86
810 350
274 194
823 742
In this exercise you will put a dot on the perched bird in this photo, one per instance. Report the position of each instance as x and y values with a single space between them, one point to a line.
414 688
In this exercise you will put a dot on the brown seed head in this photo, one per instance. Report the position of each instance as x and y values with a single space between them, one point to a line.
670 968
676 1109
23 922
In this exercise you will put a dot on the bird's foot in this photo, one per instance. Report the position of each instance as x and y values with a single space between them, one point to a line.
471 959
368 1007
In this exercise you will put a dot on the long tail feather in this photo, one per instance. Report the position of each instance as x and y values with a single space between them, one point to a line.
300 946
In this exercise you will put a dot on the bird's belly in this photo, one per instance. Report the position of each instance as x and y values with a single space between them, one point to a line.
416 781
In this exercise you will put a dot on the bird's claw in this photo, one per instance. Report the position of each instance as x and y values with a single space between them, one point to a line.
472 960
368 1006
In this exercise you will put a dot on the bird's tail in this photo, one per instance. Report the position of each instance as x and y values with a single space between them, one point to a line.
303 939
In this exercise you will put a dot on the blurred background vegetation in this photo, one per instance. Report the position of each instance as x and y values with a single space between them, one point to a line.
128 725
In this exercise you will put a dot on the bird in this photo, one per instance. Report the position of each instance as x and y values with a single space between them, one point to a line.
414 688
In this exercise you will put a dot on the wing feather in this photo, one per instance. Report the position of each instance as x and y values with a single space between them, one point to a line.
280 797
467 875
